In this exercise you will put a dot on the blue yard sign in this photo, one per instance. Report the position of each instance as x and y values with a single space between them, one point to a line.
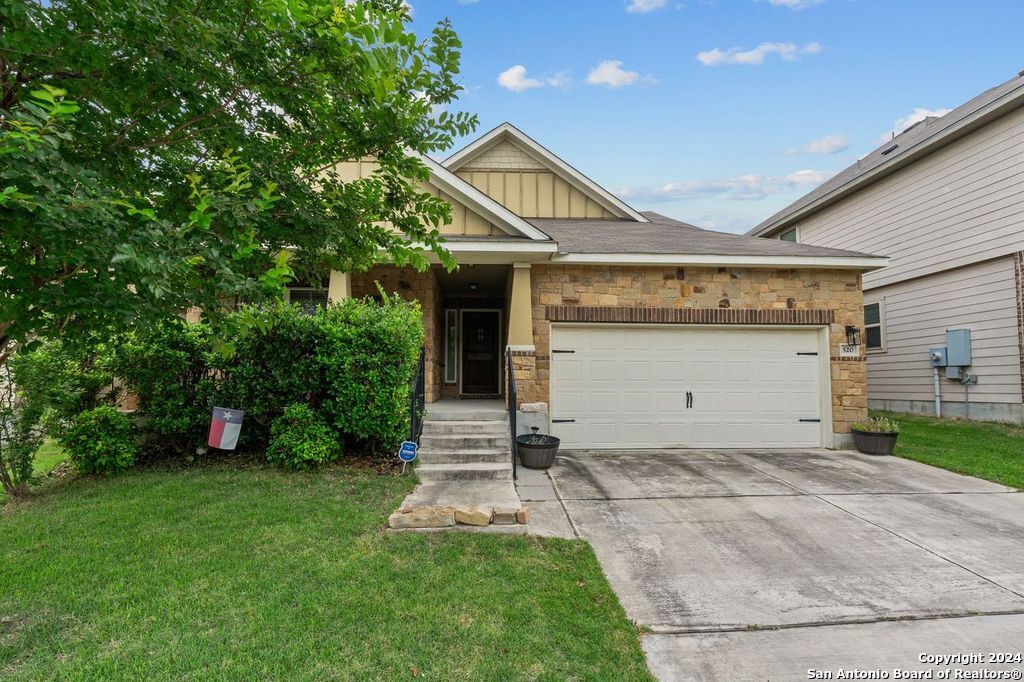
407 452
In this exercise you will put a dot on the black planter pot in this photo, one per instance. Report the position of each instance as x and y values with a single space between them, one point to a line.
871 443
537 451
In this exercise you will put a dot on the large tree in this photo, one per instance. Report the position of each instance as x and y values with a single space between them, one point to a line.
157 154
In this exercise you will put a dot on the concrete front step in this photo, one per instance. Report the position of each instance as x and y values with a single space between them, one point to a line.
446 412
484 471
481 456
465 428
449 442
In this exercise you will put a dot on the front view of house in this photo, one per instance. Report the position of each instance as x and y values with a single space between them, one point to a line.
634 330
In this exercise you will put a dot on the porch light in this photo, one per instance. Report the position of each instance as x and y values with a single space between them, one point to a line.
852 335
473 286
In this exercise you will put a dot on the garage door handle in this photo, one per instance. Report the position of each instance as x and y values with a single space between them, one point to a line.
562 351
563 421
812 421
805 353
689 400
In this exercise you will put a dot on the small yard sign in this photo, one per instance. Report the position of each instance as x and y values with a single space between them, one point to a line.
849 350
225 425
407 452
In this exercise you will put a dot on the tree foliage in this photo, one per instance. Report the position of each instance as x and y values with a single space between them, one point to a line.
159 154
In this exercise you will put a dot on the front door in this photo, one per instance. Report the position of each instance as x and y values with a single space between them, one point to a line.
481 352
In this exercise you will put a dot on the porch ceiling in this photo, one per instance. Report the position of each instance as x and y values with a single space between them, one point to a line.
488 279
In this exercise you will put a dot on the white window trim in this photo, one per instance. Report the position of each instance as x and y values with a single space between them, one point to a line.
881 327
451 374
795 229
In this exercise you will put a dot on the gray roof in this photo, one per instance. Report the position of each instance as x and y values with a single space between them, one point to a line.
911 144
666 236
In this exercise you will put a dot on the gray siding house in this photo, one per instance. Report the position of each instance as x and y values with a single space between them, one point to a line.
945 201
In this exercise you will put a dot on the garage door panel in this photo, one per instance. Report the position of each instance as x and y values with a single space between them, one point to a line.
626 387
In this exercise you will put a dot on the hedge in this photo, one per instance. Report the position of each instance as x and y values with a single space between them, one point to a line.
352 363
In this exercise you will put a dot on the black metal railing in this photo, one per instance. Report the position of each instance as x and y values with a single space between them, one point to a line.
417 400
511 395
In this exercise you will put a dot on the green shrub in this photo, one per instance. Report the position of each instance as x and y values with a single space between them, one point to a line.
62 380
369 357
351 363
299 439
167 368
101 440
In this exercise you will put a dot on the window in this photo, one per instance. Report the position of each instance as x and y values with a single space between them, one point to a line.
451 346
789 235
874 338
307 294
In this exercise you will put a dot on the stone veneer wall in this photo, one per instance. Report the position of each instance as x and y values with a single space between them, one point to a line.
700 296
412 286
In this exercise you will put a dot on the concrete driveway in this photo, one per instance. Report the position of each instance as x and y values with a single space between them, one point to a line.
766 564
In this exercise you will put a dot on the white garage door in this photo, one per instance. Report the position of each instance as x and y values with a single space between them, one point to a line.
622 386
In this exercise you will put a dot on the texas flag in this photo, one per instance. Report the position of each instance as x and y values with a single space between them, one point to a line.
224 427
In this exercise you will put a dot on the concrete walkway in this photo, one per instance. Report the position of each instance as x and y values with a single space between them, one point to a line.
751 565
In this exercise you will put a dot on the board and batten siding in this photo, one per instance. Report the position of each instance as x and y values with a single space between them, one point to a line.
982 298
525 186
962 204
464 220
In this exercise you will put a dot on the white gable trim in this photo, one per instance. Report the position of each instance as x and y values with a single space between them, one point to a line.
581 182
458 188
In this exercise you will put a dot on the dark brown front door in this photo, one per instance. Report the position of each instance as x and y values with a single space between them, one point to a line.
481 352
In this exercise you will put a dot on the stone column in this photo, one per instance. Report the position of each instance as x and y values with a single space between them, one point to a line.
340 287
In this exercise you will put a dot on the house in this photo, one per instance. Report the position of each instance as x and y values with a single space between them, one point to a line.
945 201
635 330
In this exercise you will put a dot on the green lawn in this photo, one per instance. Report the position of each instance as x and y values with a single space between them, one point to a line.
234 573
984 449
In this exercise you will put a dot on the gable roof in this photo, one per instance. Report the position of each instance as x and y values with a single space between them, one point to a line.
910 145
508 132
469 195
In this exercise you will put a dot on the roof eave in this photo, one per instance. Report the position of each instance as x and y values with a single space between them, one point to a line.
861 263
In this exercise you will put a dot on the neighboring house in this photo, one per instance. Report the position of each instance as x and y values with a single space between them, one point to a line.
945 201
637 330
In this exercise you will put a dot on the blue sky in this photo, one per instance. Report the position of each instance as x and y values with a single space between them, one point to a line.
720 112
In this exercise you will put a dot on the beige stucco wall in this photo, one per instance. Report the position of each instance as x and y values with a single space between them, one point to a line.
412 286
702 288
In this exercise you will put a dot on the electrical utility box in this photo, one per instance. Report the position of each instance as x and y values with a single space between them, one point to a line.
958 347
937 356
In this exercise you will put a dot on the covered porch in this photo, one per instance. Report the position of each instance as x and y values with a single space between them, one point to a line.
470 317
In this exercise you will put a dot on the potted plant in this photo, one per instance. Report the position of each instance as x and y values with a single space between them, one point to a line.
876 436
537 450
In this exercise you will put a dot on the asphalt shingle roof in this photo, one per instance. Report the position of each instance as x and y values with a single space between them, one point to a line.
664 235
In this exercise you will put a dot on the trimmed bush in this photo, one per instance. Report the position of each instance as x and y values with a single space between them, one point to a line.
351 363
102 441
168 369
299 439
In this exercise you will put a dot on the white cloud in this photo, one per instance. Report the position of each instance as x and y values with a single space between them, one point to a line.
644 6
743 187
796 4
736 55
916 116
515 79
830 144
611 74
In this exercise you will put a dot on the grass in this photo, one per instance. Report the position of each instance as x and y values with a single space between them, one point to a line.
987 450
226 572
